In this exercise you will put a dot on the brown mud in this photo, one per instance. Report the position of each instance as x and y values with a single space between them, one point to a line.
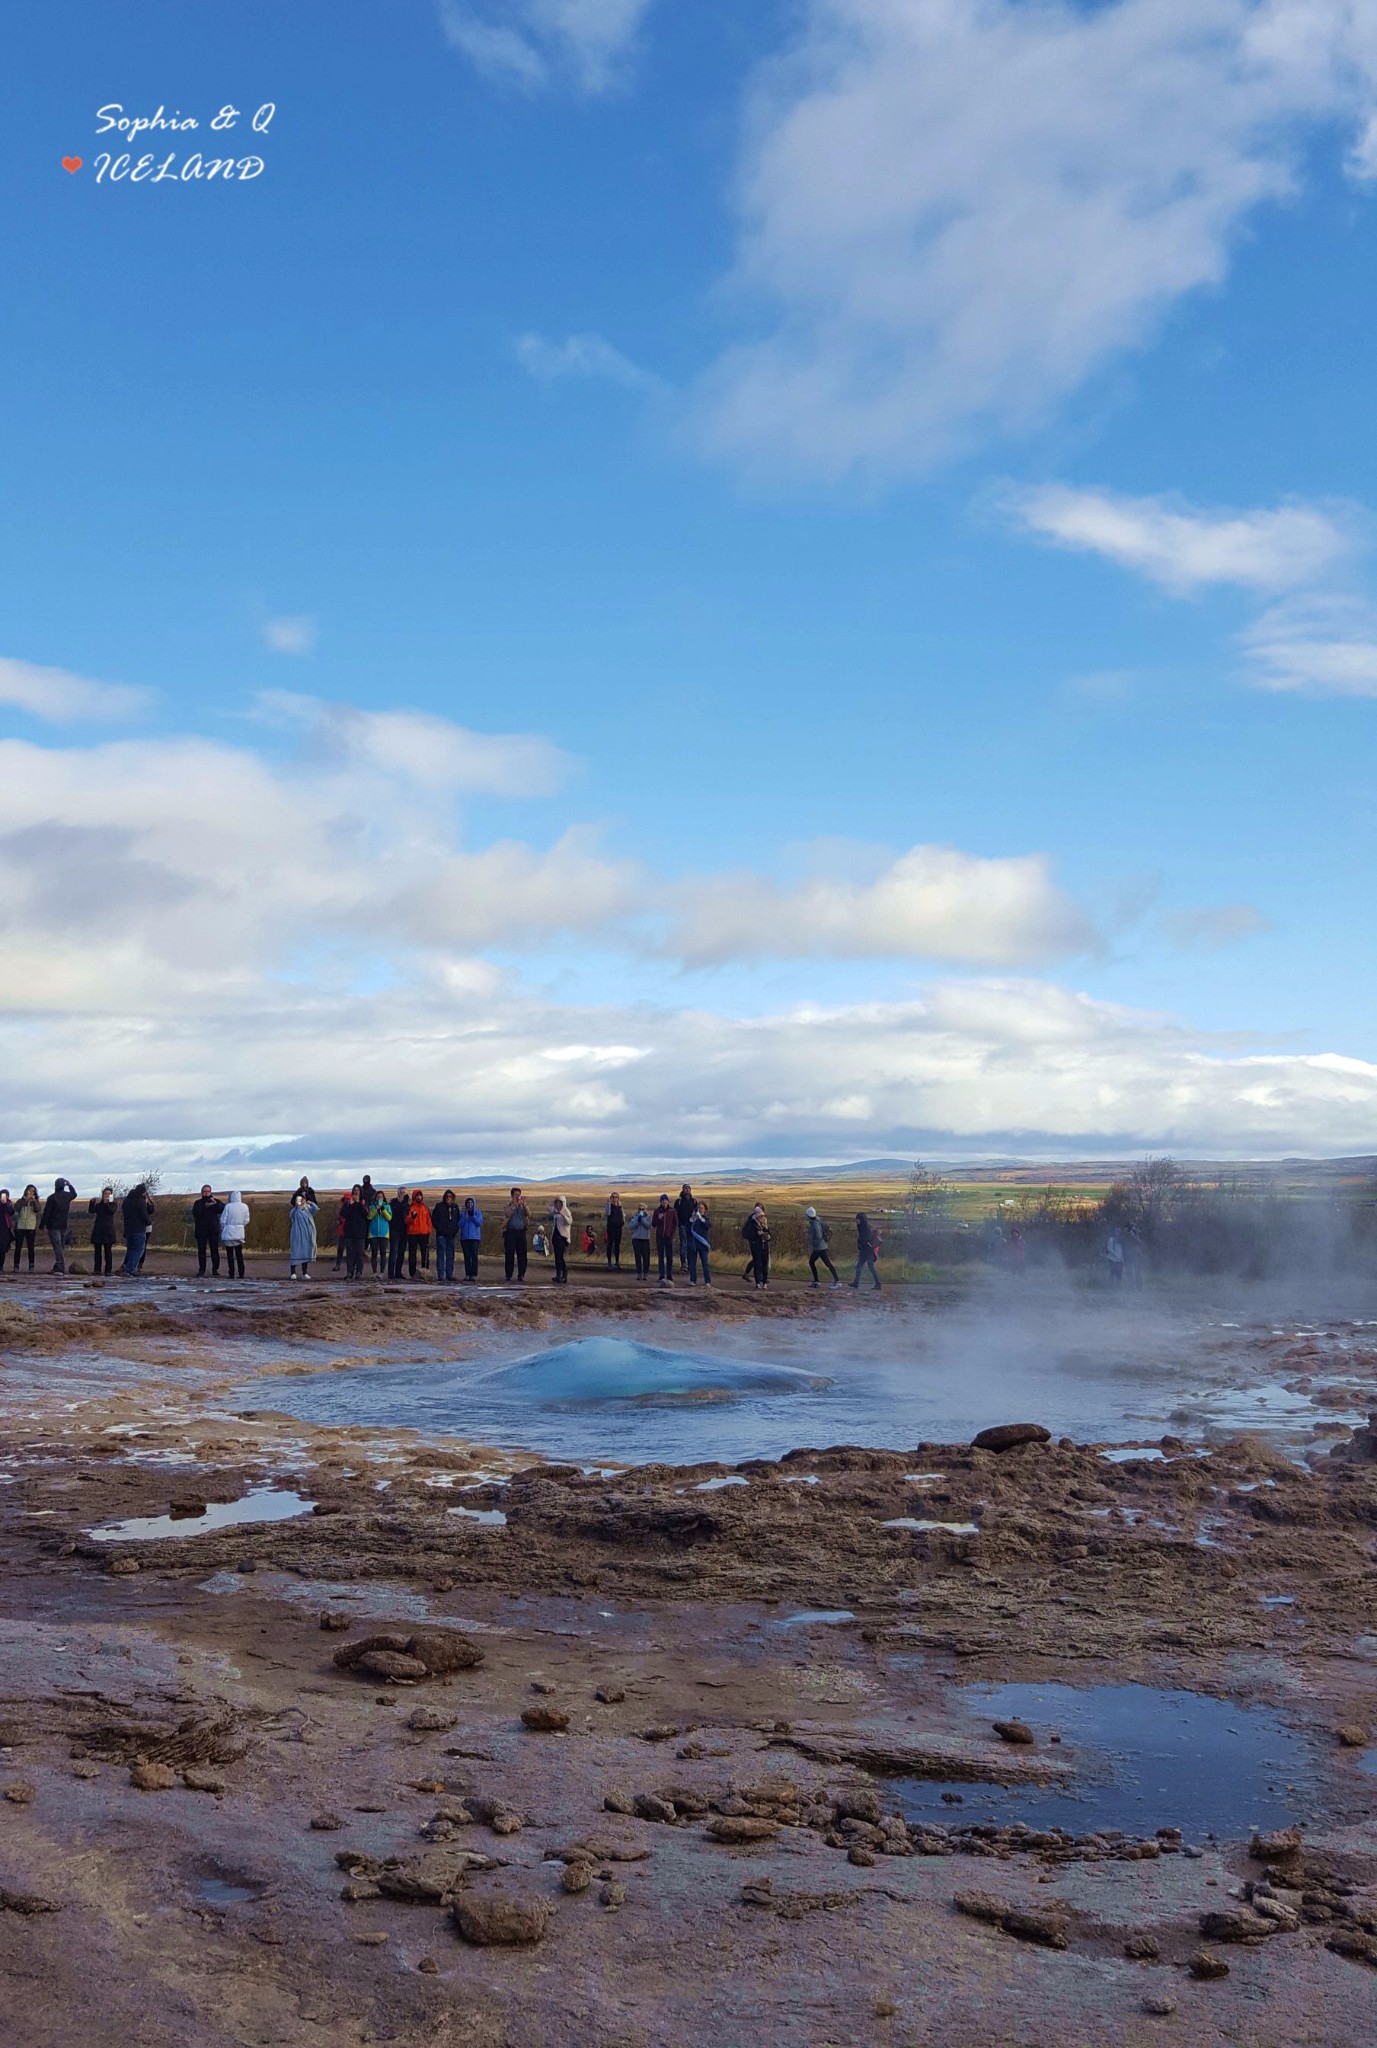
622 1769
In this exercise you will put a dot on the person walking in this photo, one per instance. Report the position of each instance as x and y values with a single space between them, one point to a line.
756 1231
6 1226
417 1233
379 1212
615 1217
515 1224
26 1214
137 1211
867 1250
683 1211
818 1254
666 1231
355 1219
206 1212
470 1236
396 1238
445 1219
640 1241
700 1245
104 1216
301 1233
561 1236
234 1224
57 1211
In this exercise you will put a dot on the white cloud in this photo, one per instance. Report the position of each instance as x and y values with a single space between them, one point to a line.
530 43
419 748
582 357
954 212
933 902
1213 926
60 698
1326 647
1181 547
296 635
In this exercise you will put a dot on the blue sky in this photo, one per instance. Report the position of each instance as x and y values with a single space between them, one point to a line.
801 438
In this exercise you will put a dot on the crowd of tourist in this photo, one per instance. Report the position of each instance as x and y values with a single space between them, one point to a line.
392 1235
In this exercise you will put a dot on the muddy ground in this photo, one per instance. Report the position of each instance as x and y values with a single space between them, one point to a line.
226 1822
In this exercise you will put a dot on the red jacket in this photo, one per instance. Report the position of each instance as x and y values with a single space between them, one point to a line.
418 1220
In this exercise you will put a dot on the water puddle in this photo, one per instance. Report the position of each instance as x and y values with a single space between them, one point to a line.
815 1617
1142 1758
912 1522
487 1518
267 1505
220 1891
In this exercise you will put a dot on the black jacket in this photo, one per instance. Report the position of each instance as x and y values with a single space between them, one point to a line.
58 1207
137 1212
683 1208
102 1215
355 1216
444 1219
206 1217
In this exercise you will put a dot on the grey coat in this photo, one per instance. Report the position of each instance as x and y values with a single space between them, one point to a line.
303 1234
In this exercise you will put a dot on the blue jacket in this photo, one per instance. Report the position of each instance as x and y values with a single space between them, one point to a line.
470 1226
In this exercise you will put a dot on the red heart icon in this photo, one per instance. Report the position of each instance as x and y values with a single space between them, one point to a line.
71 163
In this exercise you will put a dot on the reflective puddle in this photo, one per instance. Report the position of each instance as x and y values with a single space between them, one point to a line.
268 1505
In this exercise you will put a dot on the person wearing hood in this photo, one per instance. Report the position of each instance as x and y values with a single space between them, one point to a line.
666 1231
561 1232
396 1234
444 1218
234 1223
57 1211
6 1226
640 1241
616 1223
26 1214
137 1211
301 1227
514 1227
103 1215
206 1212
303 1187
355 1214
867 1250
379 1227
818 1254
700 1245
470 1235
417 1233
756 1231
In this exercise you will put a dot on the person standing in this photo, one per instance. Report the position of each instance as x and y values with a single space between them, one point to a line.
445 1218
867 1250
666 1231
26 1214
683 1211
355 1218
57 1212
700 1245
515 1224
417 1233
206 1212
756 1231
301 1227
6 1226
104 1216
344 1202
303 1187
561 1234
640 1241
137 1211
616 1222
379 1212
234 1224
470 1235
818 1254
396 1234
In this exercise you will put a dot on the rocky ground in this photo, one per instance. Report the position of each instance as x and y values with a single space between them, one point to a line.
626 1767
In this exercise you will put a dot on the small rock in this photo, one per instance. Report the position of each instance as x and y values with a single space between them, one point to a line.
1159 2004
358 1889
1351 1736
660 1731
544 1720
431 1720
1284 1842
153 1778
332 1621
1142 1948
21 1793
610 1695
197 1779
758 1891
1206 1965
543 1686
1350 1942
858 1802
1239 1924
502 1920
121 1567
370 1940
326 1823
394 1665
1192 1852
428 1966
741 1827
27 1903
85 1770
618 1800
650 1806
613 1895
864 1859
247 1565
187 1507
576 1877
1013 1731
1047 1928
884 2007
1009 1436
